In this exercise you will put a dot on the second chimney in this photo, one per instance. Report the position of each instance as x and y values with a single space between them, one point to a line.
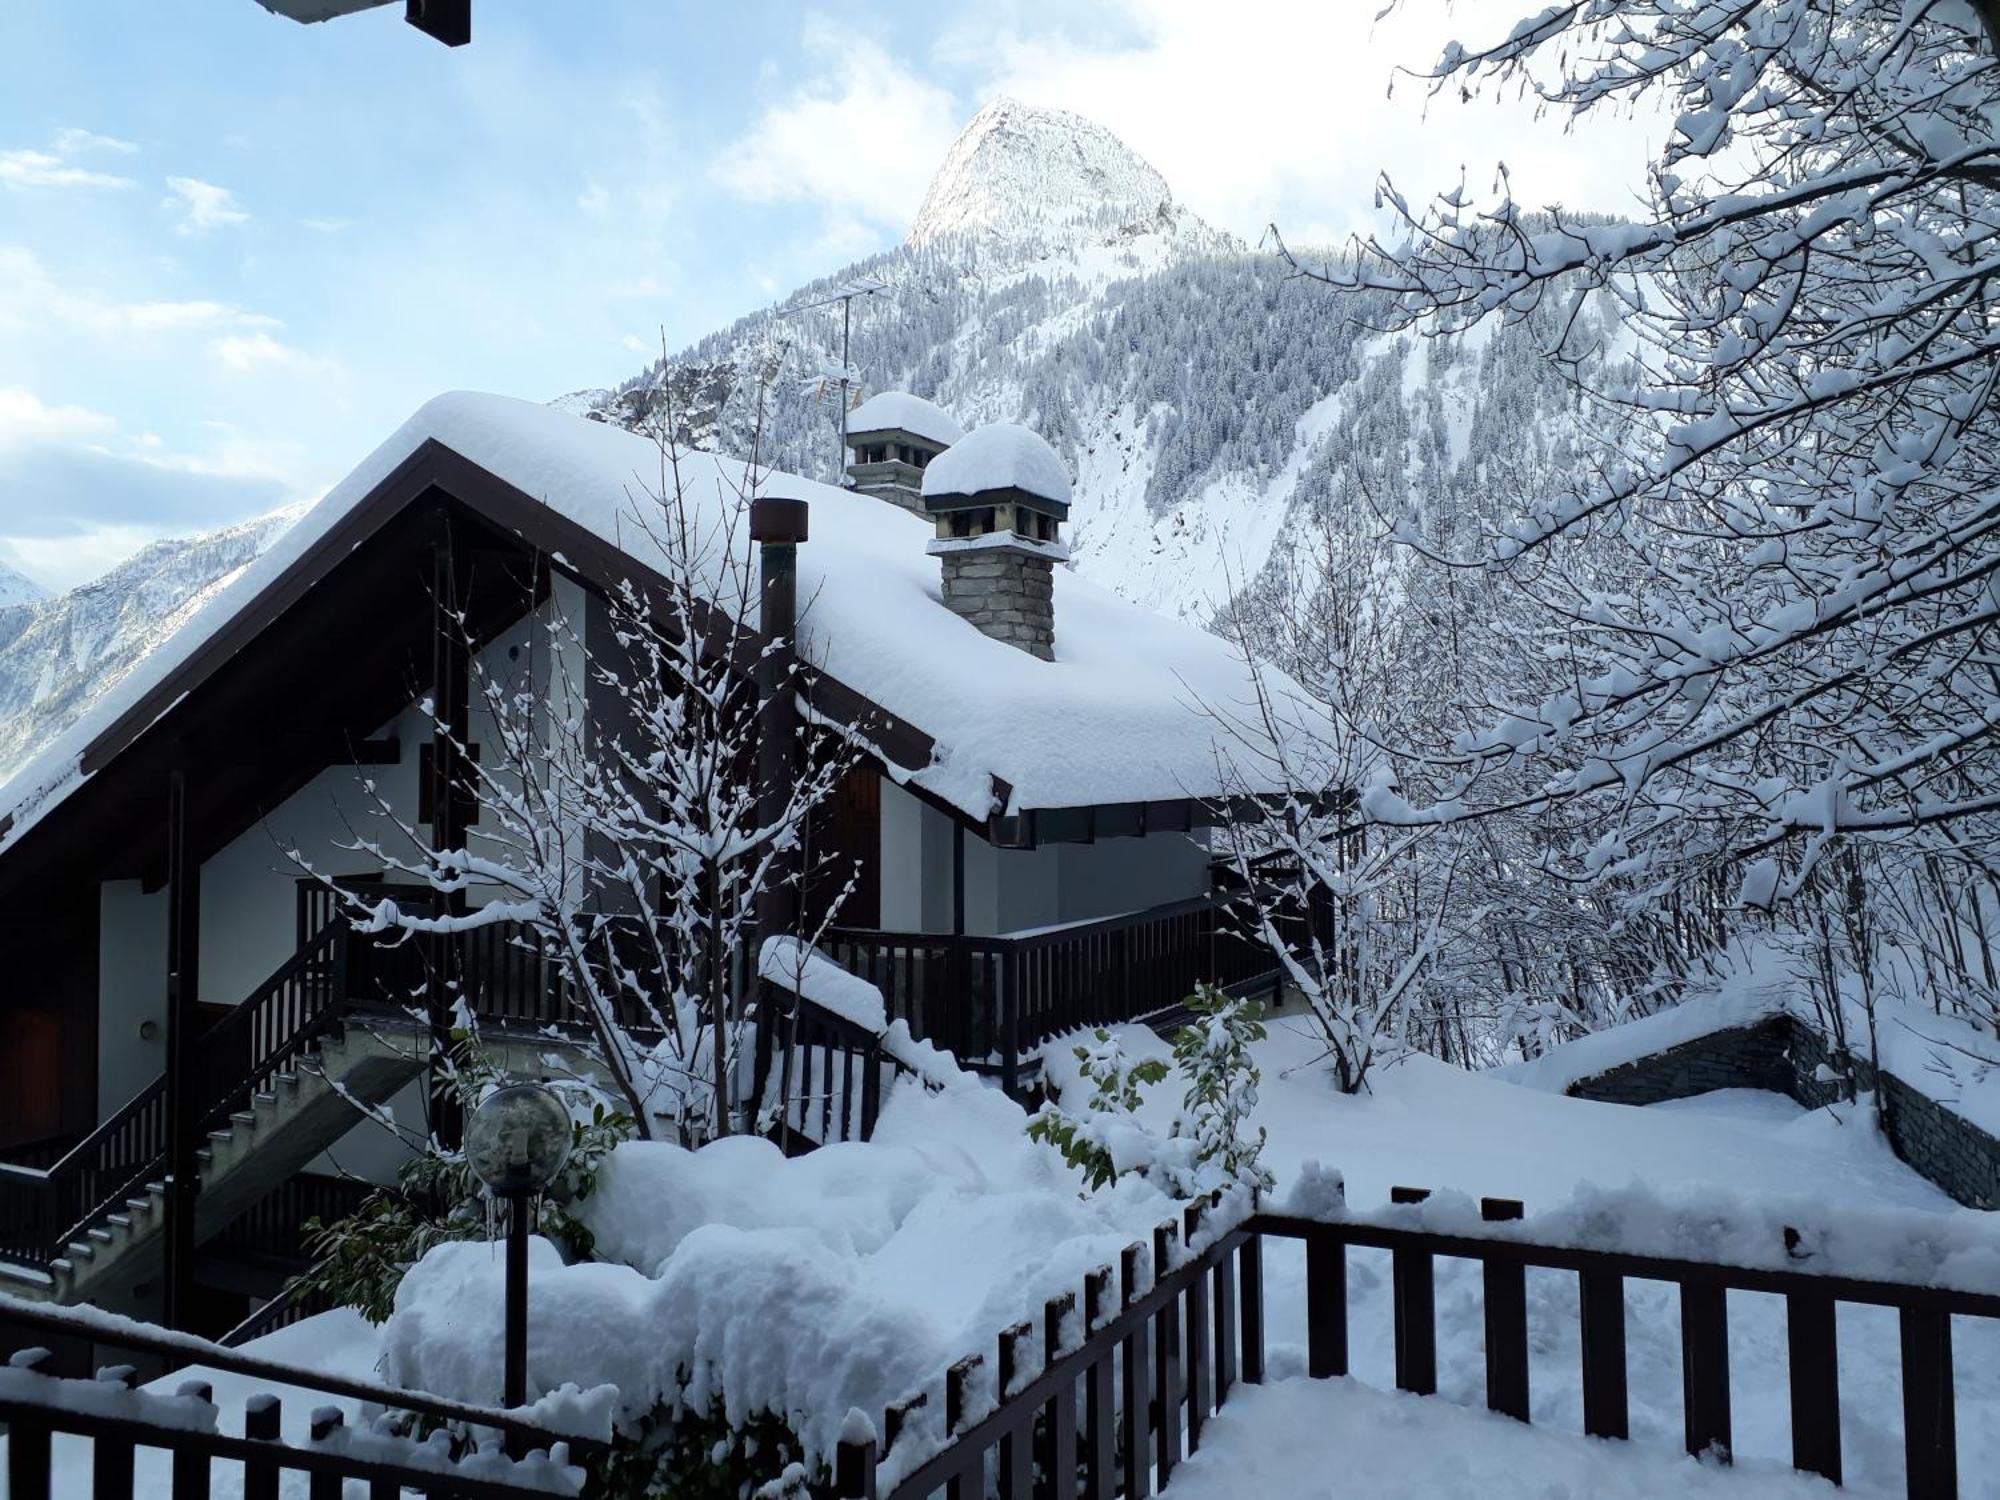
999 497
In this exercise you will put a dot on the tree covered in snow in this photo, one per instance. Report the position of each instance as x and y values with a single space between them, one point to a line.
1745 651
622 827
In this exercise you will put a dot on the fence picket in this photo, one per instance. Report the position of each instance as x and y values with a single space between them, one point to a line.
1815 1381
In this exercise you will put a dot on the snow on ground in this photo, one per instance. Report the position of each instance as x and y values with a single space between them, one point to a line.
1390 1446
1430 1125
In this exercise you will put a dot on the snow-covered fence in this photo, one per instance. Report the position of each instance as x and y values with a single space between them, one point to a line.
1121 1392
1117 1392
408 1442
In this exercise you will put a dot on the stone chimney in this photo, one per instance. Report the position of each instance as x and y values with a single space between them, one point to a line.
892 438
999 497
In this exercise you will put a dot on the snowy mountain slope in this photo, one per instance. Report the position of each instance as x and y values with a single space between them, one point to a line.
58 655
15 589
1208 402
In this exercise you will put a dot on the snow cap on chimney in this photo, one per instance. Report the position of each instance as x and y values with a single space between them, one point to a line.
999 497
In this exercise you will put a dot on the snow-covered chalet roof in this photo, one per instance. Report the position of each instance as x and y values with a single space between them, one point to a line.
999 456
1122 714
894 410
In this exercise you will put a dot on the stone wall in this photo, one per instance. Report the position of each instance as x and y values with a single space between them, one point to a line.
1786 1056
1008 595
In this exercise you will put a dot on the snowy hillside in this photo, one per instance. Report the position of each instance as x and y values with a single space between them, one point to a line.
58 655
16 589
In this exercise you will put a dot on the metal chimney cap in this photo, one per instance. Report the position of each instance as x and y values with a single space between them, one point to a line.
773 518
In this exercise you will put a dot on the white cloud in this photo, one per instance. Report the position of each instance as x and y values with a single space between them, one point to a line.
259 351
32 295
325 225
864 144
70 141
39 169
24 417
203 205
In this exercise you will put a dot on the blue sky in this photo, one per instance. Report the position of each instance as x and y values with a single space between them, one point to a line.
236 251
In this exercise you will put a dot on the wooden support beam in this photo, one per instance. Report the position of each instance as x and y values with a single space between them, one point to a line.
183 1026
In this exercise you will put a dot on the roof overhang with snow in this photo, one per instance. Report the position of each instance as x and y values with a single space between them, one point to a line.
1118 735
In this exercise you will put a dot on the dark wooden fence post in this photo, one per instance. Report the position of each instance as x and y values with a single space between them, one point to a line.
1601 1305
1326 1305
1506 1287
1251 1268
1136 1365
1195 1359
1227 1328
28 1448
190 1466
262 1421
324 1484
1059 1446
1100 1404
1166 1362
1705 1368
111 1458
854 1469
1016 1458
1930 1428
965 1485
1413 1273
1815 1365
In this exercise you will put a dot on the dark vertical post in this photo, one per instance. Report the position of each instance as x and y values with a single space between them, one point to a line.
1166 1361
262 1423
515 1390
1195 1360
190 1466
1930 1427
1059 1451
450 713
1326 1305
854 1470
1506 1286
1100 1393
1815 1362
1705 1368
777 526
1137 1398
111 1457
324 1484
1252 1269
1225 1326
1413 1279
956 1381
28 1448
1010 1022
1016 1460
1601 1297
183 1106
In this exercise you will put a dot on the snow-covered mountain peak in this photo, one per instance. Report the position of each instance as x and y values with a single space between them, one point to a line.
16 588
1023 175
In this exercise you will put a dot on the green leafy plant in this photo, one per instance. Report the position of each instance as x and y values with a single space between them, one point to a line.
1116 1092
1207 1148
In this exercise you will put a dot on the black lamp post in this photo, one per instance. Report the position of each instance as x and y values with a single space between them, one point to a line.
516 1142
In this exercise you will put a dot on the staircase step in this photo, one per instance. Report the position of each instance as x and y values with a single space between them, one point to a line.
265 1098
99 1236
81 1250
139 1205
244 1117
222 1137
123 1221
204 1155
62 1266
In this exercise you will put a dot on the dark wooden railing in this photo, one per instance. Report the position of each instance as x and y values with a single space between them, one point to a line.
396 1454
1121 1394
991 1000
43 1210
